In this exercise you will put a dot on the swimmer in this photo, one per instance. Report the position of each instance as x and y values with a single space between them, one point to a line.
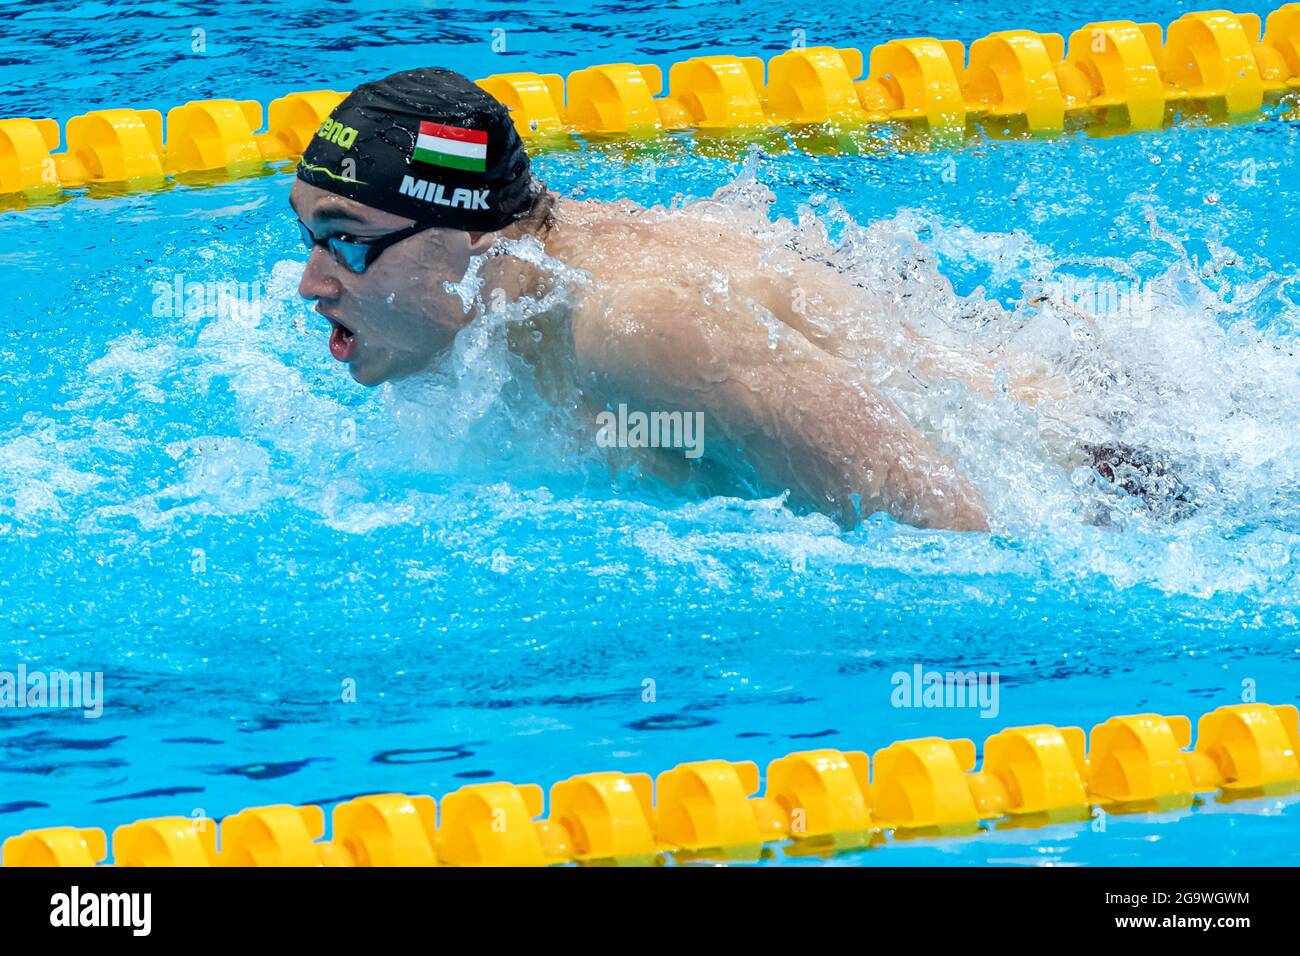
413 176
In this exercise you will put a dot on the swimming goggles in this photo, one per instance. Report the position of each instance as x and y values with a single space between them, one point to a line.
356 255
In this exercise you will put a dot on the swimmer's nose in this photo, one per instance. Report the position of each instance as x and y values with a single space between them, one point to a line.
317 280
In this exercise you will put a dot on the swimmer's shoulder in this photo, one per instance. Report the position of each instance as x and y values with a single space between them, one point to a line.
591 212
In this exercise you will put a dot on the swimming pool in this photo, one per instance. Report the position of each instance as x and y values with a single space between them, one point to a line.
197 502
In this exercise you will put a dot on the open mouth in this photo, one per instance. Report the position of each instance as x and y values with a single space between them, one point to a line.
343 341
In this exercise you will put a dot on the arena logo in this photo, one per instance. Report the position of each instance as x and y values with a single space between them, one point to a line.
922 688
336 133
637 429
38 690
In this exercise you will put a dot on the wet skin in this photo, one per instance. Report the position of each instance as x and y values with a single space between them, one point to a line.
678 315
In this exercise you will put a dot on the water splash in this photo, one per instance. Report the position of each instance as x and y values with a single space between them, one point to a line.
233 411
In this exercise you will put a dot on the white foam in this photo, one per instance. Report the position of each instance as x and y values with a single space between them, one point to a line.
1205 377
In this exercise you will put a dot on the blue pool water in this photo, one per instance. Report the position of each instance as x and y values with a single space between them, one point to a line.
206 509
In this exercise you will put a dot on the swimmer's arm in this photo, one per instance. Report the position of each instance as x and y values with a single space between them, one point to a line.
794 409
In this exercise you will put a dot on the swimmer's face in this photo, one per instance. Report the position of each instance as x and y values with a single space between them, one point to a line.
395 318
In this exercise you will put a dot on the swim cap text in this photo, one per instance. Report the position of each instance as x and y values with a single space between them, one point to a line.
436 194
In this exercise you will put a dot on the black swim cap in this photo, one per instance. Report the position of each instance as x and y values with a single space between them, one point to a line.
427 144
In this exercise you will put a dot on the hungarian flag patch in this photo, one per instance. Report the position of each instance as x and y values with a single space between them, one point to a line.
451 146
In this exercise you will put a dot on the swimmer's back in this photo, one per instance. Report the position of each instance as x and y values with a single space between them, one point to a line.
683 260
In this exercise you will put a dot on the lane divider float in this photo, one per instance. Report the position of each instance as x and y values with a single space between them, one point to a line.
1119 74
816 802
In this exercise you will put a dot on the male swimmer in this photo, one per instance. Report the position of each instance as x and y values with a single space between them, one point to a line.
414 175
